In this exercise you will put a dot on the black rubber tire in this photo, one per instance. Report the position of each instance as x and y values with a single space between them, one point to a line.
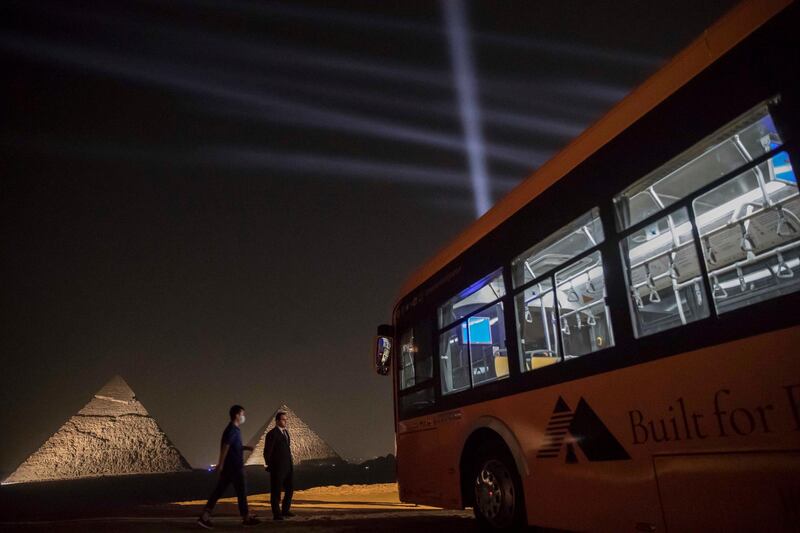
493 458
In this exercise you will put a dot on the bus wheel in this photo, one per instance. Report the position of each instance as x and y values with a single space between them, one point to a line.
498 492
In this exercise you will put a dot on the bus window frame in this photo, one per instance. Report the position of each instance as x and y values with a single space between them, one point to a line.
507 301
551 276
418 326
686 203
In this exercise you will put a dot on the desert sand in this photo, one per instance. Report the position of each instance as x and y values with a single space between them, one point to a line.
342 508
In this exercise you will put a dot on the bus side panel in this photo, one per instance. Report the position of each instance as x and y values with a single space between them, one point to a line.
600 475
698 402
419 460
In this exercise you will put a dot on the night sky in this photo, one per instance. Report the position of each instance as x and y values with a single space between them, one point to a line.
219 200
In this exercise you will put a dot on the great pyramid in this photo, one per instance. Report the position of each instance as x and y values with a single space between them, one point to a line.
112 435
306 445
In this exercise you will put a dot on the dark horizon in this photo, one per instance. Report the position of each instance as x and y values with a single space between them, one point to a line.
219 201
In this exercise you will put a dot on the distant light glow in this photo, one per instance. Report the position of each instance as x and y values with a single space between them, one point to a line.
466 88
564 128
382 23
347 167
256 103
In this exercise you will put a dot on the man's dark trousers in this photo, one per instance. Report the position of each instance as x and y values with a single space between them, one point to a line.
281 480
226 477
278 456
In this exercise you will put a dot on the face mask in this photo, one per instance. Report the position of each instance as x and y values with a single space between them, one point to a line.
241 419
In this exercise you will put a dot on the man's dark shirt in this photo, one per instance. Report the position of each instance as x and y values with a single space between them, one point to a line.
233 438
277 451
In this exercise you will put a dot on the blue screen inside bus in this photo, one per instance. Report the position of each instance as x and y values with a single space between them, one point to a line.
783 169
480 330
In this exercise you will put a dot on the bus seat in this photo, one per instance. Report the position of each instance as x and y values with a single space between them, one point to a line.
540 362
500 365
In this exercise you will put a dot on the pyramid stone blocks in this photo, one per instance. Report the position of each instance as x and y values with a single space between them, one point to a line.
306 445
112 435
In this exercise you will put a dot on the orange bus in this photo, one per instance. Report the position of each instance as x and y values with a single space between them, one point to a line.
614 346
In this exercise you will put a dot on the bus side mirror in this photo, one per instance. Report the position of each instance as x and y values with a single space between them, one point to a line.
383 349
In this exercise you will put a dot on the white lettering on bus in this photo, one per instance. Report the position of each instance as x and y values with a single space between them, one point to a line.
793 391
726 419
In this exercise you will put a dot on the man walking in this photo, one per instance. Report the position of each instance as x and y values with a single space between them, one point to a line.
278 461
231 470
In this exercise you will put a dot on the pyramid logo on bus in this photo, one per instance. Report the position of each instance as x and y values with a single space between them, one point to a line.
585 429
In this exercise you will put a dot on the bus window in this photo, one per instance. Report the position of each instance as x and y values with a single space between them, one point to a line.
536 323
581 234
478 294
663 274
454 361
582 311
409 403
408 350
473 350
486 336
750 232
416 364
727 149
576 311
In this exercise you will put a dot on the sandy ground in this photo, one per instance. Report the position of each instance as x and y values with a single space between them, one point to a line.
324 509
